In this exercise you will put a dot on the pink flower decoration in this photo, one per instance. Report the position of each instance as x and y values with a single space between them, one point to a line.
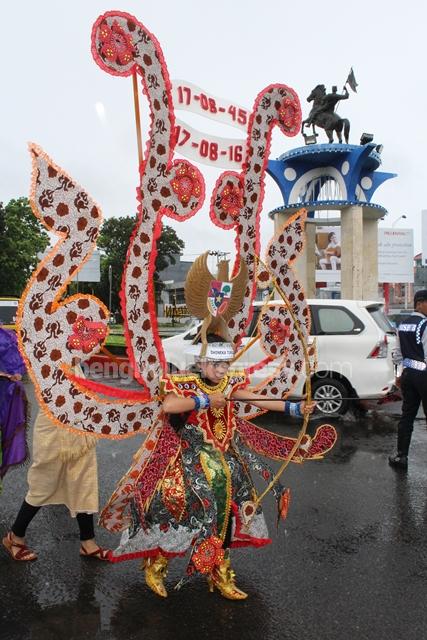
86 334
232 199
278 331
288 113
117 44
186 183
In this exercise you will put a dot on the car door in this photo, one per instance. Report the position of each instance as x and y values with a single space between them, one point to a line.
341 338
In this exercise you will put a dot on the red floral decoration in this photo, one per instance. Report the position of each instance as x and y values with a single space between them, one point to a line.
232 199
288 113
186 183
117 45
278 332
209 555
86 334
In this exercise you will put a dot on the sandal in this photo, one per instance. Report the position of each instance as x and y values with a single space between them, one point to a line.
98 554
24 554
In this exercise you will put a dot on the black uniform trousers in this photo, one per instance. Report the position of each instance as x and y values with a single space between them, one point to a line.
414 392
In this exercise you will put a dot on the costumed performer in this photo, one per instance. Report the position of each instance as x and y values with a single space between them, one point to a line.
195 492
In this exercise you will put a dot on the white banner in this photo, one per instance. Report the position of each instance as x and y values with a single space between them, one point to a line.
424 237
395 255
226 153
189 97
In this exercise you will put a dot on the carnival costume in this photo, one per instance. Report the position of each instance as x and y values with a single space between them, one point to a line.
189 486
200 496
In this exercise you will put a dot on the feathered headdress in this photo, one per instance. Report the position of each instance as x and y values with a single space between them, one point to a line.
215 300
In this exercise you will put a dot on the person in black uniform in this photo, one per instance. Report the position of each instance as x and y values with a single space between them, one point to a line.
411 355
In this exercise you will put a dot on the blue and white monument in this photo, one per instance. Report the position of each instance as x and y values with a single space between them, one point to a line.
334 177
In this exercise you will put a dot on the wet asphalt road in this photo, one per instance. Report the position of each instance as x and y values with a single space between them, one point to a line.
350 561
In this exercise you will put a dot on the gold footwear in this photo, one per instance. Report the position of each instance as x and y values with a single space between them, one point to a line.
156 570
222 578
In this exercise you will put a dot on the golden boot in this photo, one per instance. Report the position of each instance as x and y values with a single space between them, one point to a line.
222 578
156 570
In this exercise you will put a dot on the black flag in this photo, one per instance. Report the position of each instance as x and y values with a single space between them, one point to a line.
351 81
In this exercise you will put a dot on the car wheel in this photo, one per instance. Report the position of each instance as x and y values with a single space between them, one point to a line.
330 396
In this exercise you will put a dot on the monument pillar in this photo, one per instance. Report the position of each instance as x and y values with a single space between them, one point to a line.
352 253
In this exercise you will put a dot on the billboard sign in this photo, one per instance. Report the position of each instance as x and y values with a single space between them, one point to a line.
328 254
395 255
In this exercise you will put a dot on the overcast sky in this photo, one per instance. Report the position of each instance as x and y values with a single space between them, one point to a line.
51 85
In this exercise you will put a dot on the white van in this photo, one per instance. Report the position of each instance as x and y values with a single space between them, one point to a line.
354 344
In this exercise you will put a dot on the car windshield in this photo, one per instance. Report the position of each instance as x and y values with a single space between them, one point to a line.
378 315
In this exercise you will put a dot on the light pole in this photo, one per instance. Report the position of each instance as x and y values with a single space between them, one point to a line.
174 307
402 217
110 280
168 283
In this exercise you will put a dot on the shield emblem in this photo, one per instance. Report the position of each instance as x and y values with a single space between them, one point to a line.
218 297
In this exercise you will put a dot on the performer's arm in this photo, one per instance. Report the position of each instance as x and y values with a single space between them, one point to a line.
273 405
176 404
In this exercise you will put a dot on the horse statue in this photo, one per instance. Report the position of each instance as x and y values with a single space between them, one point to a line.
322 113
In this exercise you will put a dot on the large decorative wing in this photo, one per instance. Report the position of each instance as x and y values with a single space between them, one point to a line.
279 339
122 46
55 330
52 331
275 106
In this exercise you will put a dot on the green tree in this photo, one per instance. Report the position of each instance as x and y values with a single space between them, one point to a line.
114 241
22 237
